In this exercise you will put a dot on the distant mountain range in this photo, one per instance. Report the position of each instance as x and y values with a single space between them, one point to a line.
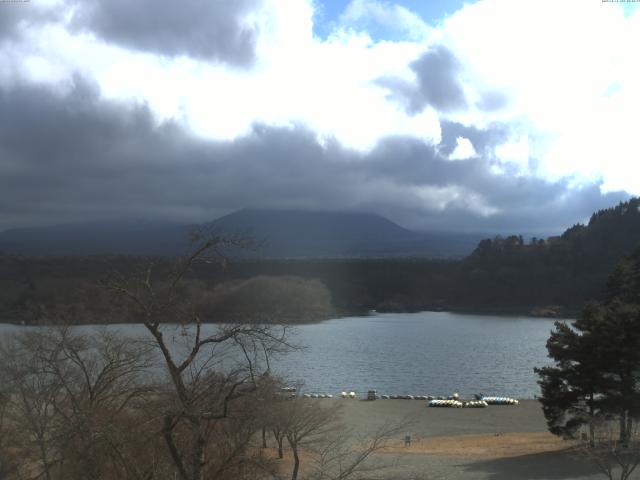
282 234
368 263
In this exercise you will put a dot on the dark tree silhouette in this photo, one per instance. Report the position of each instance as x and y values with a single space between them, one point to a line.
597 361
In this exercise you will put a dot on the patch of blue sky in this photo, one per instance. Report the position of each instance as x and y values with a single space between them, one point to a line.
630 7
432 12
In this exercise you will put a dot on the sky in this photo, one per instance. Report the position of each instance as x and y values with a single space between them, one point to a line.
480 116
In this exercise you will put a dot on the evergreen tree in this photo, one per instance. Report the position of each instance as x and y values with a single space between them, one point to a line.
597 360
570 390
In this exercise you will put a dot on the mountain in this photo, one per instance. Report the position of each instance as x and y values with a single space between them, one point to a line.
553 276
281 234
297 233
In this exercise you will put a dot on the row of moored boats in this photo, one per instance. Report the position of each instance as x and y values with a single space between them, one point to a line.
454 401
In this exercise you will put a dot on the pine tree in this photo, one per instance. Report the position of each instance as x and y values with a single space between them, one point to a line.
597 360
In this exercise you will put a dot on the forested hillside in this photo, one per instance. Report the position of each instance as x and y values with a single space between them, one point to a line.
564 271
553 277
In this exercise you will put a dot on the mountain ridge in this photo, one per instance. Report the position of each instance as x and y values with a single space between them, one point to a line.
286 233
504 275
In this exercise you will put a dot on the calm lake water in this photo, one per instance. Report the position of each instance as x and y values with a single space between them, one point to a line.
429 353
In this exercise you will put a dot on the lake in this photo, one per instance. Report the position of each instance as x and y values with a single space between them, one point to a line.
428 353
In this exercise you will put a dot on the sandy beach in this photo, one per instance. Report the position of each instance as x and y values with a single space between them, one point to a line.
494 443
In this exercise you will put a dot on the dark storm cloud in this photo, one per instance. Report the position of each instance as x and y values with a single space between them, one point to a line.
211 30
436 84
75 157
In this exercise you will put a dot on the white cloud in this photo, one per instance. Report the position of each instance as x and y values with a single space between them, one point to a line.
327 85
515 151
570 74
464 149
567 71
442 198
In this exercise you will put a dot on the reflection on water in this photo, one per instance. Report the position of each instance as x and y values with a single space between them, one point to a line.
429 353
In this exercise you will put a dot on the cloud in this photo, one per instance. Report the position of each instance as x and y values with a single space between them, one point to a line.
464 149
16 17
515 151
570 86
68 157
436 84
211 30
384 17
12 15
167 124
483 140
295 79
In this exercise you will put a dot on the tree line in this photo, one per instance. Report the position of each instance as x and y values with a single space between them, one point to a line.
556 276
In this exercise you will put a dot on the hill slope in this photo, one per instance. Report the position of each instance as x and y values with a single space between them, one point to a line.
296 233
563 271
283 233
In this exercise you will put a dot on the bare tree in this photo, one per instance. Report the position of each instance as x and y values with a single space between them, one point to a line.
343 454
31 398
614 458
210 370
306 422
331 451
71 398
94 406
276 414
7 464
102 376
277 425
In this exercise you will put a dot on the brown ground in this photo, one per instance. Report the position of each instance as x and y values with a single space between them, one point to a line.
486 446
494 443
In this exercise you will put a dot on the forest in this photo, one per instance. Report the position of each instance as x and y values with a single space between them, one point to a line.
511 275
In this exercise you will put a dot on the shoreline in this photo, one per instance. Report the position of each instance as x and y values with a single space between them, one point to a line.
337 316
428 422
